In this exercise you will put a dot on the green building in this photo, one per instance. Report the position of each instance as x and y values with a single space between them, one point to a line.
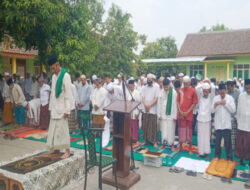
223 55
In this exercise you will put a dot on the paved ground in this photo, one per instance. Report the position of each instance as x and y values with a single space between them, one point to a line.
151 178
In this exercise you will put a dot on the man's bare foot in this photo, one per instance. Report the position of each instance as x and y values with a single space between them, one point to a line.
162 147
66 154
155 145
172 149
190 152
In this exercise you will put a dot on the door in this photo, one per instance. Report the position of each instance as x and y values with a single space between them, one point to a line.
220 73
21 67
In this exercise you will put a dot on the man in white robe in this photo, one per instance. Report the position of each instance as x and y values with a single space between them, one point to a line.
242 149
33 112
223 106
167 113
98 101
34 88
134 96
59 106
204 118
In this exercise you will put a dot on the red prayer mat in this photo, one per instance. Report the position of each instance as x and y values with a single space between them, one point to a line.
18 130
27 133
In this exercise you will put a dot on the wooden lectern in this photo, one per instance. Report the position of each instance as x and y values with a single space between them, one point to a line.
121 144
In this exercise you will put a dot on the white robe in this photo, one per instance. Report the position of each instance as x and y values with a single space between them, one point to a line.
33 112
58 135
167 122
243 112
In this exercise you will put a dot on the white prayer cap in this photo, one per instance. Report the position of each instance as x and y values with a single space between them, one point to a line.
162 78
83 77
181 75
172 78
186 79
94 77
205 86
6 74
154 77
235 78
229 80
110 87
131 78
150 76
119 76
206 79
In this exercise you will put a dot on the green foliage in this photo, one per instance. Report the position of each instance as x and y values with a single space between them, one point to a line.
217 27
53 27
117 45
163 48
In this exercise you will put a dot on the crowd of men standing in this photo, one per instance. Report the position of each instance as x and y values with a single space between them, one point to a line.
172 105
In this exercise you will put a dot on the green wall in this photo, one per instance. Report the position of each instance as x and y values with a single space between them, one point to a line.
30 66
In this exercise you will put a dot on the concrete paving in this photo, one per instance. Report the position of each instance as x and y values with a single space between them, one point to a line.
151 178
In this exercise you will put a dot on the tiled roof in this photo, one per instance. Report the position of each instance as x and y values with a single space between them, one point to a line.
222 43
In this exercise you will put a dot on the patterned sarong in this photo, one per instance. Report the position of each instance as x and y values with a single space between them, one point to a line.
72 120
233 131
83 118
149 127
185 131
44 116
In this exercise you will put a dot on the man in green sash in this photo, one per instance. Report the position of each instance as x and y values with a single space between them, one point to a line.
167 113
59 106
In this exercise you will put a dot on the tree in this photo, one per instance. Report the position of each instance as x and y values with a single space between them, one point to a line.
63 27
217 27
164 47
116 45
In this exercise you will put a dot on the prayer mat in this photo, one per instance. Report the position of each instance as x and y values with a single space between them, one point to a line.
243 175
190 164
7 128
38 135
73 139
27 133
32 163
12 132
185 147
221 168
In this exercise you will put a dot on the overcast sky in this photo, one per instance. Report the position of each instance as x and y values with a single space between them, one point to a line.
160 18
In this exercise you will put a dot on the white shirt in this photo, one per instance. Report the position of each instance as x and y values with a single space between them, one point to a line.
117 95
223 113
6 92
34 111
243 112
204 105
98 98
44 94
149 93
73 98
136 95
61 105
162 103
